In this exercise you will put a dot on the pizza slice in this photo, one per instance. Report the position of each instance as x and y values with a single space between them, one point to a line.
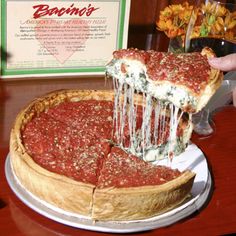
129 188
185 80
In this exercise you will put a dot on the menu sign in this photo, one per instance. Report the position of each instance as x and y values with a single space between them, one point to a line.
41 38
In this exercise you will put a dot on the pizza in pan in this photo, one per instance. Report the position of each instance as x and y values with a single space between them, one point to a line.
64 151
185 80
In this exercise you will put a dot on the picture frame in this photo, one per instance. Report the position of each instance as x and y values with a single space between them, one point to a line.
57 38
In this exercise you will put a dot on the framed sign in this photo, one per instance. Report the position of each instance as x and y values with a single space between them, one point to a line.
41 38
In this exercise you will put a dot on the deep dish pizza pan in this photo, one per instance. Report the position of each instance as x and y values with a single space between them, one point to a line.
192 159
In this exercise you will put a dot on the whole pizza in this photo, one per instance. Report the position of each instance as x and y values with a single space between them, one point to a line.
63 150
95 153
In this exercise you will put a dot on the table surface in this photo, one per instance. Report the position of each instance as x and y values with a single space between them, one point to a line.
217 217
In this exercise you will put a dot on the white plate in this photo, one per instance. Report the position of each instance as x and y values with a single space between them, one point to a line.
192 159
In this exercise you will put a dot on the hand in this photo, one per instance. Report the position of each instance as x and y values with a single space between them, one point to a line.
226 63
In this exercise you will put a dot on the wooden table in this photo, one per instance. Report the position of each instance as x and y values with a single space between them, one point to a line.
217 216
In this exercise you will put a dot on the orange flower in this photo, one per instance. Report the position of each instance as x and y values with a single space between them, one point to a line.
217 22
173 20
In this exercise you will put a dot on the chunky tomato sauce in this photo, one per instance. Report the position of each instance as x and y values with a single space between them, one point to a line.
121 169
74 139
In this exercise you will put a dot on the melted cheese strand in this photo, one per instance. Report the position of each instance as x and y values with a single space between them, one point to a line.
157 109
118 110
150 139
163 121
146 124
131 119
123 114
175 118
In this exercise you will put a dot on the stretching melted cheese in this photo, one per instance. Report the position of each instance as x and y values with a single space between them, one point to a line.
147 142
130 78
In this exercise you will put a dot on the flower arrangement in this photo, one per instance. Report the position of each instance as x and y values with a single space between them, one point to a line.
211 19
173 20
217 21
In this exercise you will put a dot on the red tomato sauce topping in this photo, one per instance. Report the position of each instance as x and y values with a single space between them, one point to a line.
73 139
188 69
121 169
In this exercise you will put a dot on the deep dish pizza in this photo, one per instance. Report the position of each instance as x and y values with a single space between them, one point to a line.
64 151
185 80
91 152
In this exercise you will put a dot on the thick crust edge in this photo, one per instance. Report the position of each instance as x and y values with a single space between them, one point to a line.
128 204
216 77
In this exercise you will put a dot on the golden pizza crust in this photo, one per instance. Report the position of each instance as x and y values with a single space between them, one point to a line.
215 80
53 188
141 202
82 198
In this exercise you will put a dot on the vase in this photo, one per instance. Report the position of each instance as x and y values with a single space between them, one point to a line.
176 45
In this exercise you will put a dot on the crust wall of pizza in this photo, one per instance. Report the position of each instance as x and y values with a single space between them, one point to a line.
137 203
184 79
130 200
61 151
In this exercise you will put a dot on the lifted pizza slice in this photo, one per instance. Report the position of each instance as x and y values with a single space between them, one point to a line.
184 79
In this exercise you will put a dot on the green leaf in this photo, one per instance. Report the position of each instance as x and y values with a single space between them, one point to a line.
203 31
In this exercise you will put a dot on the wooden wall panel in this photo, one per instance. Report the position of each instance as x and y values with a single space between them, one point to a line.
142 30
144 12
